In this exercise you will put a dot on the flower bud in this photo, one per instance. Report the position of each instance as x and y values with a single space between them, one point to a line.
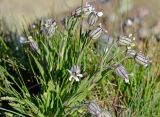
94 108
121 72
92 18
124 41
96 33
141 59
130 53
86 10
33 44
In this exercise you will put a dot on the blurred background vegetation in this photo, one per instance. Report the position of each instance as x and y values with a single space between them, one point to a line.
19 12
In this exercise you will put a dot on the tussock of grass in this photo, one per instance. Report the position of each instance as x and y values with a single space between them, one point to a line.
35 75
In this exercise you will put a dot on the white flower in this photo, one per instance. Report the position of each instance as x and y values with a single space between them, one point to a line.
22 39
75 73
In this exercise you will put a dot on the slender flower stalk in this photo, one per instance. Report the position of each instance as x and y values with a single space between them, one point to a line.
68 22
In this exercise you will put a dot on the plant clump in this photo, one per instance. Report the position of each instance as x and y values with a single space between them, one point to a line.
65 67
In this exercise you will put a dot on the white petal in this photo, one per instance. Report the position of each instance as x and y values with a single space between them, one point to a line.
79 75
127 81
106 50
69 71
70 78
100 14
76 78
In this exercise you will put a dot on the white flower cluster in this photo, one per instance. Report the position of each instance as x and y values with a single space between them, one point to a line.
48 27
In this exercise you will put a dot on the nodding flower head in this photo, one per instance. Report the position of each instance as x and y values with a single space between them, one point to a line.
93 17
94 109
121 72
33 44
96 32
84 10
142 59
128 41
48 27
131 53
124 41
75 73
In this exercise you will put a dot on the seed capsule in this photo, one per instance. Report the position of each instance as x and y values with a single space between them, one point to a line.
121 72
124 41
131 53
94 108
96 33
141 59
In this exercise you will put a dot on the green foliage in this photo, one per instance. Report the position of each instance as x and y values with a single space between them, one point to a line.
35 82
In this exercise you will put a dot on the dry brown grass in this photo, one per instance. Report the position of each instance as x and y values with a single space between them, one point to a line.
18 12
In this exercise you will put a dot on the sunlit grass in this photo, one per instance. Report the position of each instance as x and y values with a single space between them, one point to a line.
35 75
